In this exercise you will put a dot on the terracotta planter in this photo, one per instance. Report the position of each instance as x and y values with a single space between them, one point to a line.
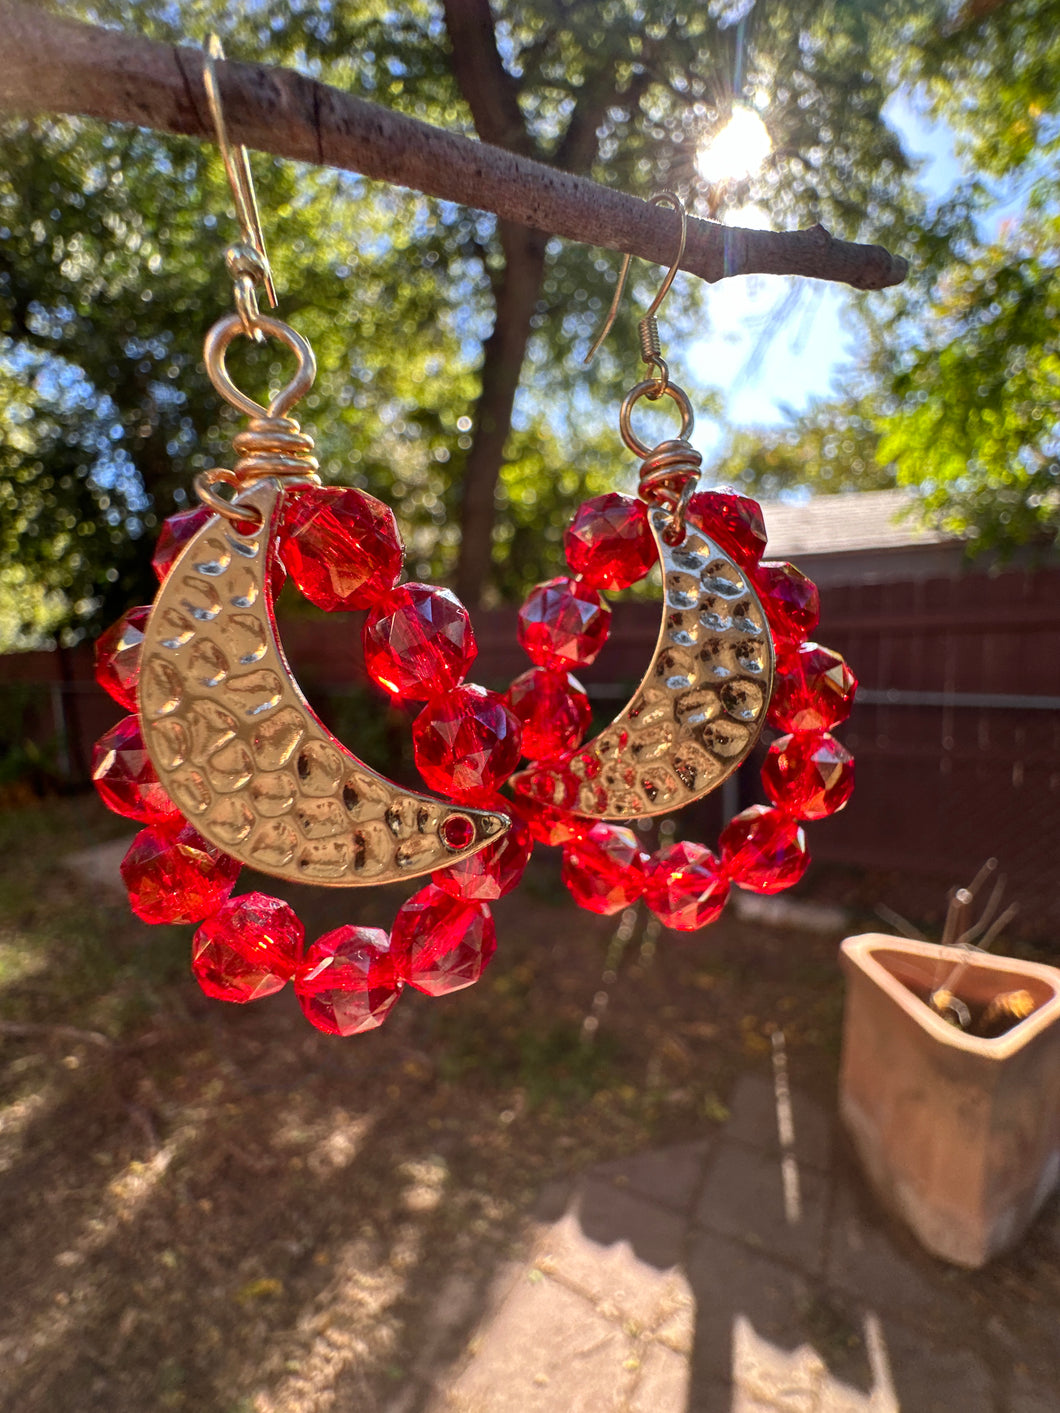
959 1136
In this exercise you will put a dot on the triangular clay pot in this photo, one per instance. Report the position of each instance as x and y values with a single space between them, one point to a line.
959 1136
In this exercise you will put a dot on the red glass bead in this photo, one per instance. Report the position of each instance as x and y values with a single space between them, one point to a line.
341 547
609 542
248 949
813 690
440 943
605 869
176 531
548 825
733 521
466 744
346 983
686 887
125 778
553 785
763 850
563 624
808 775
118 653
494 870
791 601
418 642
174 875
553 710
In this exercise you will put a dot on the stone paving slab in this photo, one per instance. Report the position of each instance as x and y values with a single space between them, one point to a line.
676 1282
663 1382
591 1250
870 1257
546 1350
932 1376
749 1327
780 1209
669 1176
753 1120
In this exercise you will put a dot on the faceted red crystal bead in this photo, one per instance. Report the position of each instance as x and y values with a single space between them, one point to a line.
609 542
546 824
791 601
176 531
341 546
346 982
813 690
733 521
686 887
494 870
248 949
763 850
441 943
808 774
563 624
466 744
553 710
418 642
118 653
605 869
174 875
553 785
125 778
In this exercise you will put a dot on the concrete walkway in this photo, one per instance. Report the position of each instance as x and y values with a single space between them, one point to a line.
753 1273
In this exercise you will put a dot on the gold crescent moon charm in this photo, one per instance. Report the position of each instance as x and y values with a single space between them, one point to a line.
241 753
700 707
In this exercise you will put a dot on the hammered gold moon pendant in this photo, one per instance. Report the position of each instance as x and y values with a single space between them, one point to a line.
241 753
700 707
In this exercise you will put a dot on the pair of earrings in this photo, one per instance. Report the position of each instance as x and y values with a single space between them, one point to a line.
226 764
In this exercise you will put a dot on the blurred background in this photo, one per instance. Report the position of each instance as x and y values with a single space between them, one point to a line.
215 1208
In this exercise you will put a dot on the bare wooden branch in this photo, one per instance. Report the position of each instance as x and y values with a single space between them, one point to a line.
53 65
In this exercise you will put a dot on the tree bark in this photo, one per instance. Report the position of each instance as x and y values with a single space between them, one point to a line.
518 291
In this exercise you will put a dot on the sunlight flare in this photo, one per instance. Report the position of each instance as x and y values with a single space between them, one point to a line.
737 150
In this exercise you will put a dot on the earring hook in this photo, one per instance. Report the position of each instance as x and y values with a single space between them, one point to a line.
649 331
248 263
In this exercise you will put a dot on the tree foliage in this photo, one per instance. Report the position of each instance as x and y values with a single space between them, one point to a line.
448 344
960 396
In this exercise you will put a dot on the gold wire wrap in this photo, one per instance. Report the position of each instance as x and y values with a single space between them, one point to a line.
273 444
668 477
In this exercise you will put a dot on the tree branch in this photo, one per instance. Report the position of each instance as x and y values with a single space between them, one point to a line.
61 66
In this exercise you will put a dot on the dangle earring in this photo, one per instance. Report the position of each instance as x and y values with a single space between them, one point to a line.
732 655
226 764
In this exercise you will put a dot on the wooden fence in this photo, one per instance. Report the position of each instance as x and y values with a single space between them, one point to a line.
956 733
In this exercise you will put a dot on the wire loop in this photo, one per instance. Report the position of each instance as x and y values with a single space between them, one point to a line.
651 389
237 515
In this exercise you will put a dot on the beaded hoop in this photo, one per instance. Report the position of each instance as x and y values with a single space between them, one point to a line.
806 775
342 550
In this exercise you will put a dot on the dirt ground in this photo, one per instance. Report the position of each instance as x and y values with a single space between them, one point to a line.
216 1208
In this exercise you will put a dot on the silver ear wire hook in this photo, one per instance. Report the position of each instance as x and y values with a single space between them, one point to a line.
248 261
